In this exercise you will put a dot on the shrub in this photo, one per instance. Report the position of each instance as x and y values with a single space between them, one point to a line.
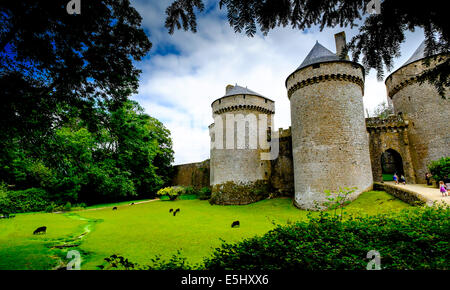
415 239
204 193
188 190
67 206
176 262
440 168
15 201
51 207
171 192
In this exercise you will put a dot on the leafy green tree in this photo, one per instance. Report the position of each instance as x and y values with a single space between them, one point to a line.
142 145
379 37
440 169
52 62
67 125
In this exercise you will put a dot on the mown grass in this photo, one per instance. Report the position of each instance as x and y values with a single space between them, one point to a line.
20 249
388 177
142 231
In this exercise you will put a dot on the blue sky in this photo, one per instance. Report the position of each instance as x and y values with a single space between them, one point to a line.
185 72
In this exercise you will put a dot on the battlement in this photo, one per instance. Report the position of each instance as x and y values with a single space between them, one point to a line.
408 74
391 123
326 74
284 133
243 102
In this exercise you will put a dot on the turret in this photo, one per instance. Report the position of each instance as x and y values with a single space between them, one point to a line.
329 138
429 136
239 134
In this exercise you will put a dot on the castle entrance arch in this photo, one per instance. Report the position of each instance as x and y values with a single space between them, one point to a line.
391 162
389 147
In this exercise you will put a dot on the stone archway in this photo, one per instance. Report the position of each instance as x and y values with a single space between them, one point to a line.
390 135
391 162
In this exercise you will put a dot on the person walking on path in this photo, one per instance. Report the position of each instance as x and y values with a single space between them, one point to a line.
395 177
402 179
447 182
428 178
442 188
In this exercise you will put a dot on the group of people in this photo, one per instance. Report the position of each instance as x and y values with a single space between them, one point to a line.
397 180
444 185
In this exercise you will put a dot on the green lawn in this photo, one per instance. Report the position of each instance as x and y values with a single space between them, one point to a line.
141 231
388 177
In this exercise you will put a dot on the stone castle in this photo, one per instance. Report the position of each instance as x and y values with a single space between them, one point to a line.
330 144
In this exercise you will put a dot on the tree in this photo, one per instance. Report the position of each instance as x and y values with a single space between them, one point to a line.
379 37
143 146
52 62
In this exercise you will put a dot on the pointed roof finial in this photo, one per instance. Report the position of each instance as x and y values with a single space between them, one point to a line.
318 54
238 90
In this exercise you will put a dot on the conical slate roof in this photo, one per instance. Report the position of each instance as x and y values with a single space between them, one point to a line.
418 54
238 90
318 54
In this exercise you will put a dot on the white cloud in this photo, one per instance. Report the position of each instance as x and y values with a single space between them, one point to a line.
178 86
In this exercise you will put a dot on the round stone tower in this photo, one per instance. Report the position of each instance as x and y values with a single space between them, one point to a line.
428 112
239 134
329 138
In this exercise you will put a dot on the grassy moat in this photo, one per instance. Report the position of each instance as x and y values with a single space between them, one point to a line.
142 231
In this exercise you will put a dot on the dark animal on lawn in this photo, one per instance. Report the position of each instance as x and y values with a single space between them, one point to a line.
132 203
171 210
235 224
177 210
115 208
40 230
174 213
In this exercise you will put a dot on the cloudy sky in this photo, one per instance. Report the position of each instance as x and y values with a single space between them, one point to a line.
185 72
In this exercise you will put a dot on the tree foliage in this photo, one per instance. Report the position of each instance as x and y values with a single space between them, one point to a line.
378 40
129 156
440 169
52 62
67 125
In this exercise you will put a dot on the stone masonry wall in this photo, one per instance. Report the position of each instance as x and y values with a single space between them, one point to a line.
192 174
282 178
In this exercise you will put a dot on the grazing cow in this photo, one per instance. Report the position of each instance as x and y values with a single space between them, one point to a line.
115 208
40 230
177 210
174 213
132 203
171 210
236 224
